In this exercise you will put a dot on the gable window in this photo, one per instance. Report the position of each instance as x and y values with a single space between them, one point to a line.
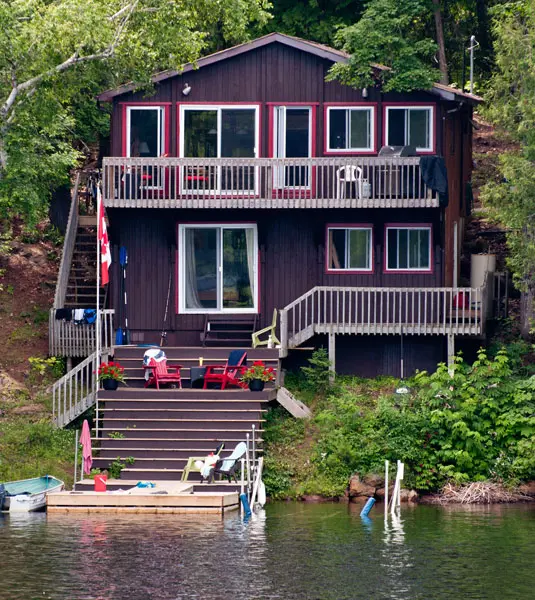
349 248
410 126
350 129
408 248
218 268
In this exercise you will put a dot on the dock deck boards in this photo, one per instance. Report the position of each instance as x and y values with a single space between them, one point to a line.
166 497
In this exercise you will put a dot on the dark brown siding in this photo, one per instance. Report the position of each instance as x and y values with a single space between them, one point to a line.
292 260
274 73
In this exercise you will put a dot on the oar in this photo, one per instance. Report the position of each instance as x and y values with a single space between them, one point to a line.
119 333
123 260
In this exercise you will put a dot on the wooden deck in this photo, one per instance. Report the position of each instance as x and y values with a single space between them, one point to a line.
165 498
382 182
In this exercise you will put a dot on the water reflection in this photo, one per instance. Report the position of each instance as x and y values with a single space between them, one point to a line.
287 552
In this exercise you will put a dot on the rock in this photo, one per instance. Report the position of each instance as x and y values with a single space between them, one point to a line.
9 387
528 489
316 499
380 492
374 480
413 497
357 487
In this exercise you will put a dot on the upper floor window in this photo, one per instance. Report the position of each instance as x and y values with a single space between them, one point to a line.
349 248
408 248
410 126
350 129
145 131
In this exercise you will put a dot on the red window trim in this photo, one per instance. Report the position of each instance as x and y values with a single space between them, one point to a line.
429 226
373 106
431 105
329 271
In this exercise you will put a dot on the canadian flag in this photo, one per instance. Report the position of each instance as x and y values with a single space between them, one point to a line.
105 254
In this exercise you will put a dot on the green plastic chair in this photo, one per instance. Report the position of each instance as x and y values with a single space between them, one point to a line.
270 330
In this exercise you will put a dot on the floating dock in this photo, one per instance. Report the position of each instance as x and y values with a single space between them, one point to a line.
166 497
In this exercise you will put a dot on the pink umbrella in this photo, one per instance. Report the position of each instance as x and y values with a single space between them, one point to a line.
85 440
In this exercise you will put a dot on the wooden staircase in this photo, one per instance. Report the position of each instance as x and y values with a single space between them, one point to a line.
82 282
160 429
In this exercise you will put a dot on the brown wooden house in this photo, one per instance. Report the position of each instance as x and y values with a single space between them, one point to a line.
247 183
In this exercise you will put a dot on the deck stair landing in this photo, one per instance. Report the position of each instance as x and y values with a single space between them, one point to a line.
158 430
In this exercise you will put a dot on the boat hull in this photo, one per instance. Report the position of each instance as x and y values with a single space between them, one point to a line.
29 502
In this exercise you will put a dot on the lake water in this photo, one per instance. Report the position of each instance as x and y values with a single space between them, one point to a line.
289 551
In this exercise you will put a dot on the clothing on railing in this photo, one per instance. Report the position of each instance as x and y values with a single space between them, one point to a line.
63 314
435 176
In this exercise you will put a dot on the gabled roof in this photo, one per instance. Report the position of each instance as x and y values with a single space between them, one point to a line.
320 50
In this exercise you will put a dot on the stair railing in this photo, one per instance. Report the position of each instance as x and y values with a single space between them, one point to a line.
66 338
68 248
75 392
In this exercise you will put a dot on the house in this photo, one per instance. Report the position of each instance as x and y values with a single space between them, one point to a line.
244 184
250 183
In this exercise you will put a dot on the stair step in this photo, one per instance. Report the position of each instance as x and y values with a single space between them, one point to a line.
214 435
196 445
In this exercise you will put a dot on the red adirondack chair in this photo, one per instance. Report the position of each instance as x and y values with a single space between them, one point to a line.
229 373
161 373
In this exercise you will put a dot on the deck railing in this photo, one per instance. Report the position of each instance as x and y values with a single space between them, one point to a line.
383 311
75 392
323 182
67 338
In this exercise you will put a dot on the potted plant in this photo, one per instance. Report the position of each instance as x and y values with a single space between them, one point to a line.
110 374
257 375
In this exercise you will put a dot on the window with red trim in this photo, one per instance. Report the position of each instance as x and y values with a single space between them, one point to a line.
408 248
349 248
410 126
350 129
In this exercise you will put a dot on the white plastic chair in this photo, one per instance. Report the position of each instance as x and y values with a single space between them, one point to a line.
348 174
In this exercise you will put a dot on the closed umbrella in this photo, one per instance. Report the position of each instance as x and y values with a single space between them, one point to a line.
85 441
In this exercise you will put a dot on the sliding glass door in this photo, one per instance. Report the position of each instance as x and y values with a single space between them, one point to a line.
218 268
219 132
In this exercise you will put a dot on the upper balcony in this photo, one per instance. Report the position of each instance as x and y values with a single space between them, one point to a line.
337 182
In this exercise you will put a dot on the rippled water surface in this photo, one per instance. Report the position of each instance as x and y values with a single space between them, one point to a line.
290 551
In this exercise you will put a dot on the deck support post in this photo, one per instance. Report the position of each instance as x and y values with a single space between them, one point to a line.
332 356
451 352
68 363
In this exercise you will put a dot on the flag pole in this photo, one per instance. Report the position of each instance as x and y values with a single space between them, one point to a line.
98 340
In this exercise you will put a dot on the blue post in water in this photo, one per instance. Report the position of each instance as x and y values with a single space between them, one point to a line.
367 507
246 507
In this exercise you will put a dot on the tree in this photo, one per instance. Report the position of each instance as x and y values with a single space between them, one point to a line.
54 51
511 105
392 33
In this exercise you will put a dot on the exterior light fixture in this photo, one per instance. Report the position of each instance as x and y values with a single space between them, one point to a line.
364 92
187 89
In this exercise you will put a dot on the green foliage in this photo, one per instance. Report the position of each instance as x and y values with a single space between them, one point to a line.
317 376
476 425
116 435
56 56
391 33
118 465
53 367
34 449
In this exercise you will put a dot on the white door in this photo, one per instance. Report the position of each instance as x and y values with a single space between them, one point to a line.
292 139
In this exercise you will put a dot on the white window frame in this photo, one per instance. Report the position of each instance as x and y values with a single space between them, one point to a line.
219 108
389 269
368 269
182 269
280 112
161 133
428 107
370 110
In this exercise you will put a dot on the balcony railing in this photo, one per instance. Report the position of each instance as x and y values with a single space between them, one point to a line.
66 338
339 182
383 311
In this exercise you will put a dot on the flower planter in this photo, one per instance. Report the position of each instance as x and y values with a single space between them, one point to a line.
110 384
256 385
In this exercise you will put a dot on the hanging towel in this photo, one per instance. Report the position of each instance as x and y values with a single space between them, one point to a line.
435 176
85 441
90 315
63 314
154 354
78 316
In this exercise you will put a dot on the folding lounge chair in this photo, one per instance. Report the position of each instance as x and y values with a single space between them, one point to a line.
229 373
191 467
227 467
269 330
161 373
